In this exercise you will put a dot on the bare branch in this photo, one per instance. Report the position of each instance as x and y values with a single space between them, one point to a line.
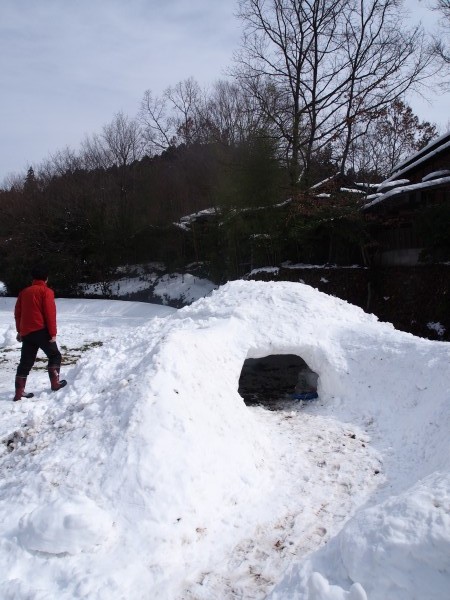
326 64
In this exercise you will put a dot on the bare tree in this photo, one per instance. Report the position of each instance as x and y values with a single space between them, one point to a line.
157 126
230 115
441 41
13 182
60 163
392 137
122 137
279 63
384 62
119 144
186 114
186 101
173 118
317 66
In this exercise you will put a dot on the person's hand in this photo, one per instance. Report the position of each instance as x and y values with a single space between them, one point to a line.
18 337
53 339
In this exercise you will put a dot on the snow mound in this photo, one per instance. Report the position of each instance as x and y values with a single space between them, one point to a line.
184 288
8 337
153 430
65 526
403 542
320 589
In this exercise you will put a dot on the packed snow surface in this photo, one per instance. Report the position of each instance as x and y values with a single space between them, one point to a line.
148 477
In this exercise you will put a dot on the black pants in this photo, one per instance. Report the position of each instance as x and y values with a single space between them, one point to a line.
30 346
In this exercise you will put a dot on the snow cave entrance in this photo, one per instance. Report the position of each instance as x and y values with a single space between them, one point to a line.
273 380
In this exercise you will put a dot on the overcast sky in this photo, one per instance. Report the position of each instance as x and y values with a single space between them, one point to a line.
66 66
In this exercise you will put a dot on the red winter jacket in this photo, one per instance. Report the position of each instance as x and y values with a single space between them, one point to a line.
35 309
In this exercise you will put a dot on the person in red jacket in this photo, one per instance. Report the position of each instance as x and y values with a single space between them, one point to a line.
35 316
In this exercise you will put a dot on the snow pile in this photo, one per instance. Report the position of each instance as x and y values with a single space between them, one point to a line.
404 542
184 288
120 287
289 265
147 476
8 336
437 327
2 289
186 222
174 288
65 526
269 270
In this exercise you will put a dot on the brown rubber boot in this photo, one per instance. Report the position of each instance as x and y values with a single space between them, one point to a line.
53 373
20 388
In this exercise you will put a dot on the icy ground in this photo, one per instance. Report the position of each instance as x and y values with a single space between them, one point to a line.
148 477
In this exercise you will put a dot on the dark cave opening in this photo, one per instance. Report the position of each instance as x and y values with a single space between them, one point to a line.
272 380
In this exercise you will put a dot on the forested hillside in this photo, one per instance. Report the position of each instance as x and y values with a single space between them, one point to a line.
249 149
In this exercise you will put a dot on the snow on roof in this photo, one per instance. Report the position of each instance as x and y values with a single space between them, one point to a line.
352 190
289 265
317 185
388 184
270 270
283 203
367 185
406 188
419 158
184 222
436 174
373 196
425 150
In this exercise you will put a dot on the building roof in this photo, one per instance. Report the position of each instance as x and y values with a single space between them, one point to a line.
397 187
375 199
431 150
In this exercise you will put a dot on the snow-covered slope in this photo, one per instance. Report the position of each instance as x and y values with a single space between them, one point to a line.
148 477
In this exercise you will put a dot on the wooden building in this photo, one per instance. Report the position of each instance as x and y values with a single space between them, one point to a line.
409 209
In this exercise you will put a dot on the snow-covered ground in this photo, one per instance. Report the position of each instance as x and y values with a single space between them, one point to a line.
148 477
